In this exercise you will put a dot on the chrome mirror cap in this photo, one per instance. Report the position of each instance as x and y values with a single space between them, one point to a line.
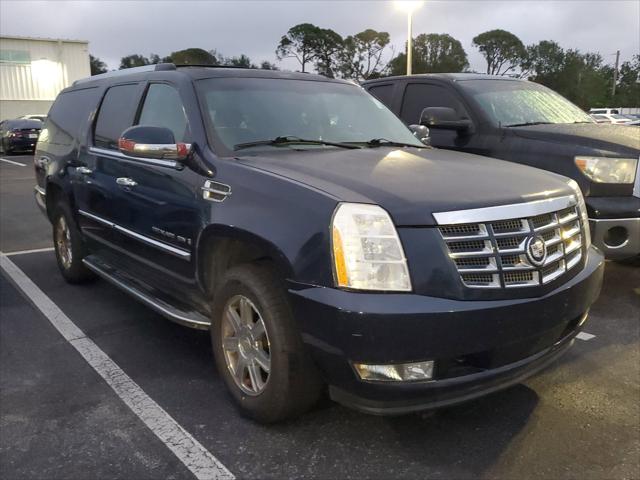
146 141
167 151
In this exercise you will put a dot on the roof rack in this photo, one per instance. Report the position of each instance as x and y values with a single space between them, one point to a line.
158 67
202 65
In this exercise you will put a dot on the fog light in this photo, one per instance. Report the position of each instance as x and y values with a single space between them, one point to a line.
402 372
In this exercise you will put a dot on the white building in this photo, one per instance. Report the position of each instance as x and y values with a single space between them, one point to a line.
34 70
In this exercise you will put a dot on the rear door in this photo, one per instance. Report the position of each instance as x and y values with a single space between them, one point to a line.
101 200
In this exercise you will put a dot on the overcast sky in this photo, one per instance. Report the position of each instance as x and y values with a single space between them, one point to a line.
118 28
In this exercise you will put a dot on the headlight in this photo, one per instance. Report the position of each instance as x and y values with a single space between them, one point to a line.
608 170
367 253
582 209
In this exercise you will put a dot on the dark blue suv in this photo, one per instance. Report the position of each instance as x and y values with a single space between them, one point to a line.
320 242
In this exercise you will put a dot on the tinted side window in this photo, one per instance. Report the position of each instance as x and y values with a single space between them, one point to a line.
384 93
163 108
116 114
69 114
419 96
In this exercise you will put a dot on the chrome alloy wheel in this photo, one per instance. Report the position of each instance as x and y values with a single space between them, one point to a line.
63 242
245 345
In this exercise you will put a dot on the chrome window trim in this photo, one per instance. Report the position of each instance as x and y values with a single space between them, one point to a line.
143 238
104 152
503 212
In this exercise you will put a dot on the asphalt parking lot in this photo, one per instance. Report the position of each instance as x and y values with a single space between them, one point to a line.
60 419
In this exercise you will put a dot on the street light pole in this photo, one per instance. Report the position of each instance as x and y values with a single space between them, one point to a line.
409 41
409 6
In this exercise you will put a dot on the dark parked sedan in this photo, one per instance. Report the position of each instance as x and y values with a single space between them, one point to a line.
19 135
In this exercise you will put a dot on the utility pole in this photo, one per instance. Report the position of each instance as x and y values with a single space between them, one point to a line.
615 74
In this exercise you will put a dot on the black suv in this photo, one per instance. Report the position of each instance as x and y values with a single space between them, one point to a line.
297 219
524 122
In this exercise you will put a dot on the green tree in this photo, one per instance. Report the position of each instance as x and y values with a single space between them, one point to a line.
581 77
327 44
242 61
361 55
299 43
266 65
134 60
628 87
193 56
432 53
97 66
502 50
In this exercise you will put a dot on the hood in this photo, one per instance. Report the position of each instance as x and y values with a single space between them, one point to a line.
412 183
615 139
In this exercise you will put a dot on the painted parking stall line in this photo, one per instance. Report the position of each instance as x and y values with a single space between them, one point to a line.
189 451
12 162
33 250
585 336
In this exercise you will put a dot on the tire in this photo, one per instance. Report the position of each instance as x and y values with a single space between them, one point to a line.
293 384
69 246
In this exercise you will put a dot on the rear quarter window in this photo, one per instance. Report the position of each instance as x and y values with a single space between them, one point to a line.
68 115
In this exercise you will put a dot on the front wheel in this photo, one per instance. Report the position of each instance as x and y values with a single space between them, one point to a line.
69 247
258 349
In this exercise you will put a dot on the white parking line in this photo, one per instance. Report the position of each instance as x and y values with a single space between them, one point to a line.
585 336
13 162
188 450
23 252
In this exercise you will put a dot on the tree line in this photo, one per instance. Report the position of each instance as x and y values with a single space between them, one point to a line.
583 78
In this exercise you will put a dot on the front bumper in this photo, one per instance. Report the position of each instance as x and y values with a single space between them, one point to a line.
615 225
618 238
22 144
478 346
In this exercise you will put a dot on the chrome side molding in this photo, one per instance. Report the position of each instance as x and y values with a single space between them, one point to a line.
178 252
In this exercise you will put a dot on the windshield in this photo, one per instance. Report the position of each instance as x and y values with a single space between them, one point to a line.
509 103
244 110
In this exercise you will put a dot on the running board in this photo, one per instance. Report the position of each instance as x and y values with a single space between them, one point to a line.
143 293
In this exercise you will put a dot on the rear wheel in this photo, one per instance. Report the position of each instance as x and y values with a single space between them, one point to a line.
69 247
258 349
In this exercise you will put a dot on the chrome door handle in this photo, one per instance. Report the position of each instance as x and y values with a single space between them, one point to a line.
126 182
84 170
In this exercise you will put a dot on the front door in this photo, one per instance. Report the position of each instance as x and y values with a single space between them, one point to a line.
162 200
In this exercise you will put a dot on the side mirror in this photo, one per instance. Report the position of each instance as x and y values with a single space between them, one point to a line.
444 118
421 133
152 142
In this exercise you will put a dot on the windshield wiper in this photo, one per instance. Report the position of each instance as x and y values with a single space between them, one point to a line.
291 140
526 124
383 142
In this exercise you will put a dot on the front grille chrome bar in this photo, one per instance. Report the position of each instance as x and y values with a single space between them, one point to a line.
491 252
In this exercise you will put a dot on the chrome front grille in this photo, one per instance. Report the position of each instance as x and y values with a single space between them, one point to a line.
497 253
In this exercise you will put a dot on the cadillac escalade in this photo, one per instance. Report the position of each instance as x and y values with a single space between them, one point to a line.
322 244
